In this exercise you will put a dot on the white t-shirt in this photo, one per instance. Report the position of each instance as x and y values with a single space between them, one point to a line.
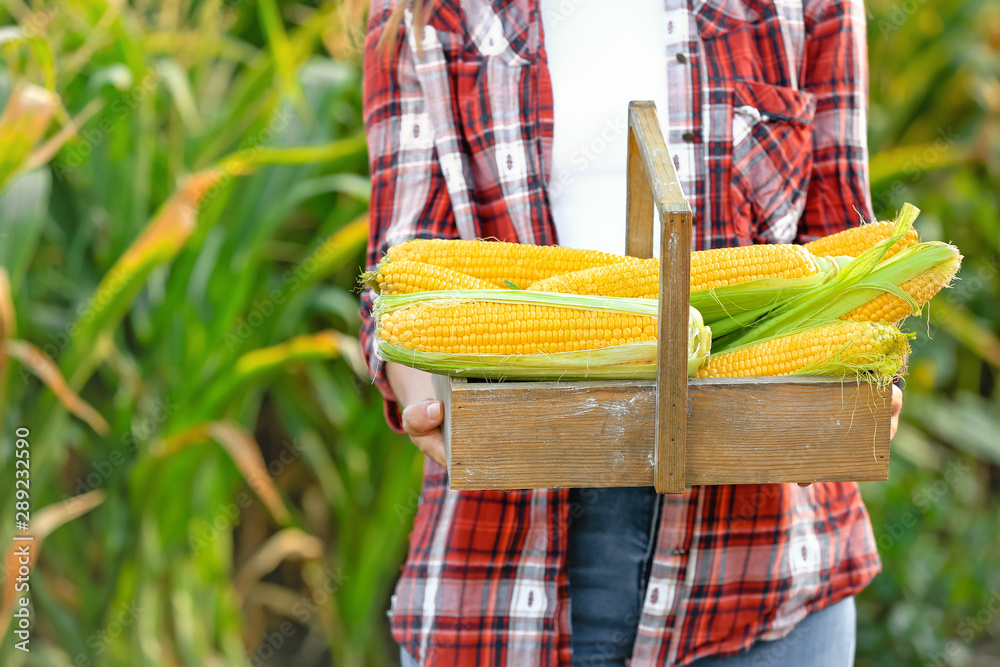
600 58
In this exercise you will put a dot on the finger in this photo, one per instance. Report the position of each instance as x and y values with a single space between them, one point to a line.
422 417
433 446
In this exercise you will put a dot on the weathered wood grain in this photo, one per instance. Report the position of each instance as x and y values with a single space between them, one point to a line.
639 206
739 431
442 388
674 215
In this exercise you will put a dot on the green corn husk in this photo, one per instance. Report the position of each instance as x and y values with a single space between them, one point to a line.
620 362
729 308
889 275
823 305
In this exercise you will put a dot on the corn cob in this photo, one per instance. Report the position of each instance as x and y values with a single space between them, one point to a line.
854 241
638 278
709 269
732 266
835 348
497 262
481 327
888 307
407 276
527 335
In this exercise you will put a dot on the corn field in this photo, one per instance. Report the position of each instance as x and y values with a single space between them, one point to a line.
183 200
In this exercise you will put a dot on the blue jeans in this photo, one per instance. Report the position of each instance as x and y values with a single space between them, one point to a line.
612 536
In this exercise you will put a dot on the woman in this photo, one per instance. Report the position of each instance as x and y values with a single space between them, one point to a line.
504 119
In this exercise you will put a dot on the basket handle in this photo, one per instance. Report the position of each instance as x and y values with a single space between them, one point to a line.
653 186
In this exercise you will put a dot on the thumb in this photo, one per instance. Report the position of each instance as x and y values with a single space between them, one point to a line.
422 417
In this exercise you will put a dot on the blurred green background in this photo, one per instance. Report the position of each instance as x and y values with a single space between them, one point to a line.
182 220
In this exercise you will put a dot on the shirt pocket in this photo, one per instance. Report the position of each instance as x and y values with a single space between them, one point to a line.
772 158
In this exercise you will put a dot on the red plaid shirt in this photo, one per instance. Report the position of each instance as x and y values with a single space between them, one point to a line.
767 126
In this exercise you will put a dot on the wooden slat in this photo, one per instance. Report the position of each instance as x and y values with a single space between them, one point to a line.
442 389
675 269
739 431
658 166
639 207
672 353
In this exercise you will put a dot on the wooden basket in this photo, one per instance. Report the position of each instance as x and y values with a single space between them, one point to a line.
675 431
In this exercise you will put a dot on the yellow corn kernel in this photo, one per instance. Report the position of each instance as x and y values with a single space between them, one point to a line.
508 329
635 278
854 241
407 276
731 266
709 269
857 343
497 262
887 307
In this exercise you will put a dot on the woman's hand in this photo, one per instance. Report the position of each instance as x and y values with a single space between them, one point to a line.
897 407
422 412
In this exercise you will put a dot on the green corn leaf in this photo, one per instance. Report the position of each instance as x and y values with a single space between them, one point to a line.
731 307
23 208
23 123
158 244
259 363
809 309
12 36
283 54
332 154
42 366
888 275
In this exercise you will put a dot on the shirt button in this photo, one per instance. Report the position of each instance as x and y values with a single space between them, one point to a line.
681 58
688 137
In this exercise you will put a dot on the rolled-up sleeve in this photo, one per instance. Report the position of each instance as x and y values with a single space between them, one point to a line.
409 198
